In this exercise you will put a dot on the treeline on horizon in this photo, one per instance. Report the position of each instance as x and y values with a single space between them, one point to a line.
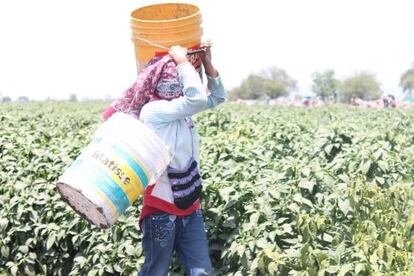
274 82
72 98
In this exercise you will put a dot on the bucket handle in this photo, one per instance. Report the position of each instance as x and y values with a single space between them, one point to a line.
189 53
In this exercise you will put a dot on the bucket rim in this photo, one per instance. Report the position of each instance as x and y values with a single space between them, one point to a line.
167 20
136 39
192 30
146 27
195 36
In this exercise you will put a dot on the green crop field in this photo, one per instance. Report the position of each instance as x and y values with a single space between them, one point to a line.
287 191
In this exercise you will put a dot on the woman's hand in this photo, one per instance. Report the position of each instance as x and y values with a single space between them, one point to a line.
206 59
179 54
206 56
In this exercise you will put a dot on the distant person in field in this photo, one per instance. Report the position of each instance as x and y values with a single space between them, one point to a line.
307 102
335 97
385 101
392 102
167 93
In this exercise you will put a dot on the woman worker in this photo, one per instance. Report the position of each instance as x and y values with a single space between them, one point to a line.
167 93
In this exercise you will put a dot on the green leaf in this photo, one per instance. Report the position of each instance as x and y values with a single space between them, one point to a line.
344 269
130 250
14 270
229 223
327 237
291 241
360 267
92 272
378 154
332 269
24 249
81 260
29 270
344 178
383 165
261 243
308 185
32 255
380 180
287 228
272 268
3 223
328 149
254 265
307 202
340 249
50 241
365 167
254 218
117 268
225 193
5 251
274 194
231 203
306 171
109 268
344 206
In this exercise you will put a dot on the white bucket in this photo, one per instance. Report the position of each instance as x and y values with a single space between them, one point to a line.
124 157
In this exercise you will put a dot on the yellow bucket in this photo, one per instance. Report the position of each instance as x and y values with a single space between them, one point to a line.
124 157
166 25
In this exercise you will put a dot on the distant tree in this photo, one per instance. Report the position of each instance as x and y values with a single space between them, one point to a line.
325 84
270 83
6 99
361 85
280 83
407 81
73 97
22 99
251 88
298 98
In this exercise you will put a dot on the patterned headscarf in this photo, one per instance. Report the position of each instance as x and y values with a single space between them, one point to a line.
158 80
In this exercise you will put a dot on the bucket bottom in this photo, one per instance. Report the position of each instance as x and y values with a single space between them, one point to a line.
83 206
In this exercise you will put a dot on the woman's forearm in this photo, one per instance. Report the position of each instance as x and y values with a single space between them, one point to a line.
209 69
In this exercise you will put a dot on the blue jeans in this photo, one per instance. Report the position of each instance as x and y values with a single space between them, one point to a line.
164 233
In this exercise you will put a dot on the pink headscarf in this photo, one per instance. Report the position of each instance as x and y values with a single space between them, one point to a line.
158 80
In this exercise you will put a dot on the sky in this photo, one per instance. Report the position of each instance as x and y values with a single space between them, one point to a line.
53 48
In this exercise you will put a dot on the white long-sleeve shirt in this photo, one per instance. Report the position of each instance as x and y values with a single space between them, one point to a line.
172 121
